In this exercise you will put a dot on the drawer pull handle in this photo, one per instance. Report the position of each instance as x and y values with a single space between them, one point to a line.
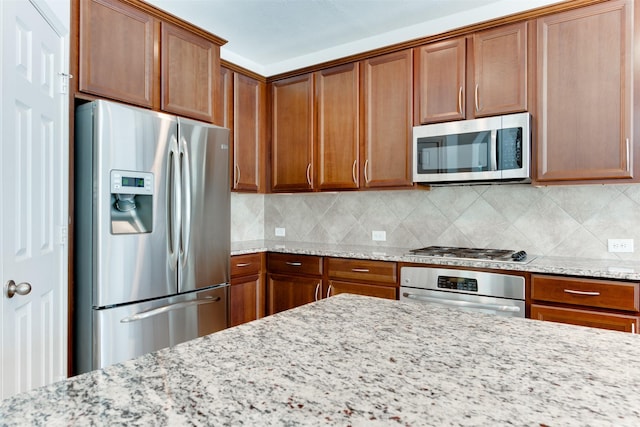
360 270
294 264
243 264
587 293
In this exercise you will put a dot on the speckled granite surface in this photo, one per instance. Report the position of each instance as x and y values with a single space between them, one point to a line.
354 360
551 265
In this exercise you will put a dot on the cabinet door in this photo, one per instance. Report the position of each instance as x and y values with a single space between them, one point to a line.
387 91
116 50
191 93
440 78
337 106
584 93
249 97
500 70
593 319
245 295
338 287
285 292
292 139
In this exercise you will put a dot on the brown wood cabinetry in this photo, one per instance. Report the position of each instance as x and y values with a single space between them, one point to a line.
247 291
607 304
584 82
116 51
245 113
132 52
363 277
478 75
188 93
293 280
387 83
337 128
292 134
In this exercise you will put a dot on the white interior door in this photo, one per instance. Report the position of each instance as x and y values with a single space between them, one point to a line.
34 195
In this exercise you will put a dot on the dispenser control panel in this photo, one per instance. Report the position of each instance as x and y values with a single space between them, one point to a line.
131 182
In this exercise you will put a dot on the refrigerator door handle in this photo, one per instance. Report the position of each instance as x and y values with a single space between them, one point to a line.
185 224
174 213
165 308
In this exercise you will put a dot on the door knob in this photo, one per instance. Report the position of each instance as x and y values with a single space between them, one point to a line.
21 288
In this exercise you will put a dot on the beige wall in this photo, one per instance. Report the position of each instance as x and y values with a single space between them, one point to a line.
573 221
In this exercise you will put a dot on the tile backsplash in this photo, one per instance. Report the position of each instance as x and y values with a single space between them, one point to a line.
573 221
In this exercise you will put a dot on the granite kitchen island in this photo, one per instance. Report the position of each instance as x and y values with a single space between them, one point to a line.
353 360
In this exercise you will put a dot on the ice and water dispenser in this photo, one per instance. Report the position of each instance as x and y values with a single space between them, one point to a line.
131 202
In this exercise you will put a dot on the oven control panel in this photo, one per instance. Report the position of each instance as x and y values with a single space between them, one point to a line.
458 283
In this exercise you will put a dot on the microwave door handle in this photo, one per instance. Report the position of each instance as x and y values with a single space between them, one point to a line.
494 150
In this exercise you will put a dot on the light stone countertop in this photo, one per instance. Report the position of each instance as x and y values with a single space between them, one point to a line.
610 269
356 360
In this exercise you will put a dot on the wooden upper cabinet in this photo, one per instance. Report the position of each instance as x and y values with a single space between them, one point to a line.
337 127
249 124
500 70
116 52
483 74
292 138
387 83
584 82
441 80
189 77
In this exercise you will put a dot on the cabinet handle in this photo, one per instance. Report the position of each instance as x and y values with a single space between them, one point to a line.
353 172
243 264
294 264
628 158
460 100
360 270
587 293
476 99
237 180
633 327
329 291
366 175
309 174
317 291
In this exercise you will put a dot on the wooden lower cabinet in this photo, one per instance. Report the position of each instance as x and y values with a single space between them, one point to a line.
361 277
594 319
598 303
247 291
285 292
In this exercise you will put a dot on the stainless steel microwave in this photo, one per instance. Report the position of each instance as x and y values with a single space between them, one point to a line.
488 149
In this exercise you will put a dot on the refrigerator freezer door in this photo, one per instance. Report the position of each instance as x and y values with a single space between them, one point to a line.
129 331
137 266
206 217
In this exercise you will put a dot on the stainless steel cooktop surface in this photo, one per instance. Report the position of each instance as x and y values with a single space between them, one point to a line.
505 255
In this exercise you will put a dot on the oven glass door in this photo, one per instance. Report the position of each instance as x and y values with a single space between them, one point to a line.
475 303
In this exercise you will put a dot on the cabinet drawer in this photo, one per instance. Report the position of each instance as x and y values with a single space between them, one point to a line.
594 319
294 264
245 265
363 270
587 292
381 291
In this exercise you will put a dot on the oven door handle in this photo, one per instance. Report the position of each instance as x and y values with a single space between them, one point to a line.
466 304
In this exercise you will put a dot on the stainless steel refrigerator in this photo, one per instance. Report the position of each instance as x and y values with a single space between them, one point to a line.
152 232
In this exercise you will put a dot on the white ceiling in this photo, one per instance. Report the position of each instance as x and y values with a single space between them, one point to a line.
275 36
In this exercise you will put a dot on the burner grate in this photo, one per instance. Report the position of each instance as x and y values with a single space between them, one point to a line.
471 253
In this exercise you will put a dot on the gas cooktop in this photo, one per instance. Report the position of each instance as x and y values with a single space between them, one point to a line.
505 255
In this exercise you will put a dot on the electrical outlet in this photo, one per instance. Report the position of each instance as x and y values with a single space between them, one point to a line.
620 245
379 236
280 231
